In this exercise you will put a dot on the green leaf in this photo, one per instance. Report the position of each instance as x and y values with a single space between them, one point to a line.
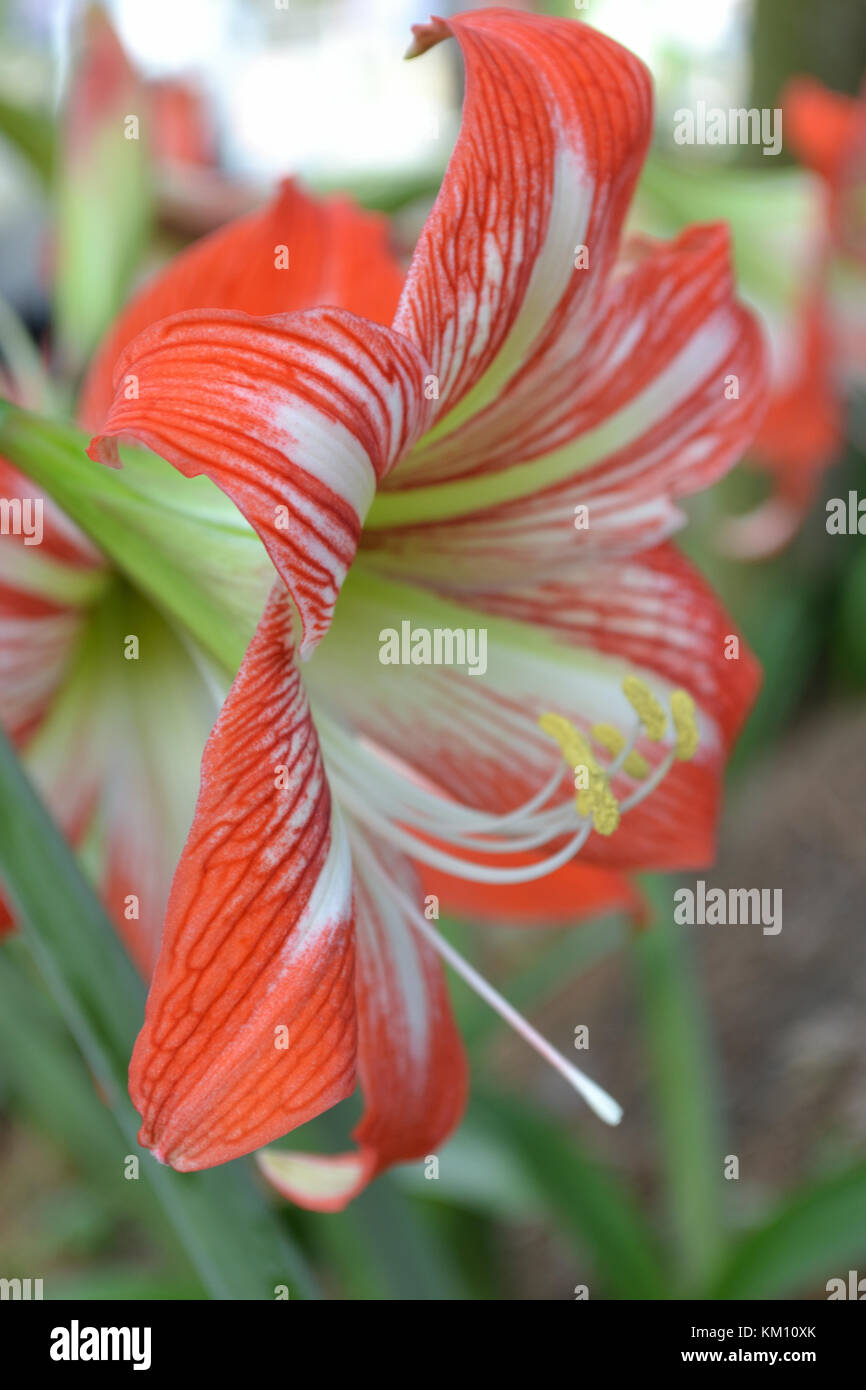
383 1245
685 1092
32 134
103 190
589 1205
22 360
850 624
234 1241
477 1172
811 1238
47 1079
117 1284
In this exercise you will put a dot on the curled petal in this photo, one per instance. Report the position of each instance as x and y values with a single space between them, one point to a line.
556 122
250 1023
295 417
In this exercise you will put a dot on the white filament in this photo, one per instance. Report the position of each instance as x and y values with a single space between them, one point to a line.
595 1096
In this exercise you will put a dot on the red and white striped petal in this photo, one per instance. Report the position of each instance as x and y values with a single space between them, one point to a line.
564 646
297 252
37 637
410 1057
250 1023
296 417
666 396
556 122
45 588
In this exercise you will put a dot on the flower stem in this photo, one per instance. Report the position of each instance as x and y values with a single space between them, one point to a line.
685 1094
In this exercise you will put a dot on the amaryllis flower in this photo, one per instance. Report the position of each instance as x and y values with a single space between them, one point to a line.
504 458
819 350
827 132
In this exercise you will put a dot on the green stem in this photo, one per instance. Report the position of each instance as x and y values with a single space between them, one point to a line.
679 1051
176 539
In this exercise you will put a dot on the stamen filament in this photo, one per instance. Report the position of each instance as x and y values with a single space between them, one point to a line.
452 863
546 825
429 810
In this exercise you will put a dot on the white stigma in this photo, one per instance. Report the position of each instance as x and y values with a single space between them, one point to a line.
595 1096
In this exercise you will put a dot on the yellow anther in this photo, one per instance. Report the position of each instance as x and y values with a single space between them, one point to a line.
685 724
605 810
646 707
609 736
592 788
573 745
583 779
594 796
560 729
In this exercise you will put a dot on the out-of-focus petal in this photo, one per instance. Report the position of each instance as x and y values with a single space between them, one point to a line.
297 252
827 131
47 579
799 438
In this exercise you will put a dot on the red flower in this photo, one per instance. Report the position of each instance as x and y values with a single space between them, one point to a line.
534 366
825 347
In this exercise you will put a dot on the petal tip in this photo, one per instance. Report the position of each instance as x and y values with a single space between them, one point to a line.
426 36
103 449
318 1182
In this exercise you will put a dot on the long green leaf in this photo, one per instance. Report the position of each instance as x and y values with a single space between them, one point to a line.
32 133
589 1205
811 1237
688 1120
234 1241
